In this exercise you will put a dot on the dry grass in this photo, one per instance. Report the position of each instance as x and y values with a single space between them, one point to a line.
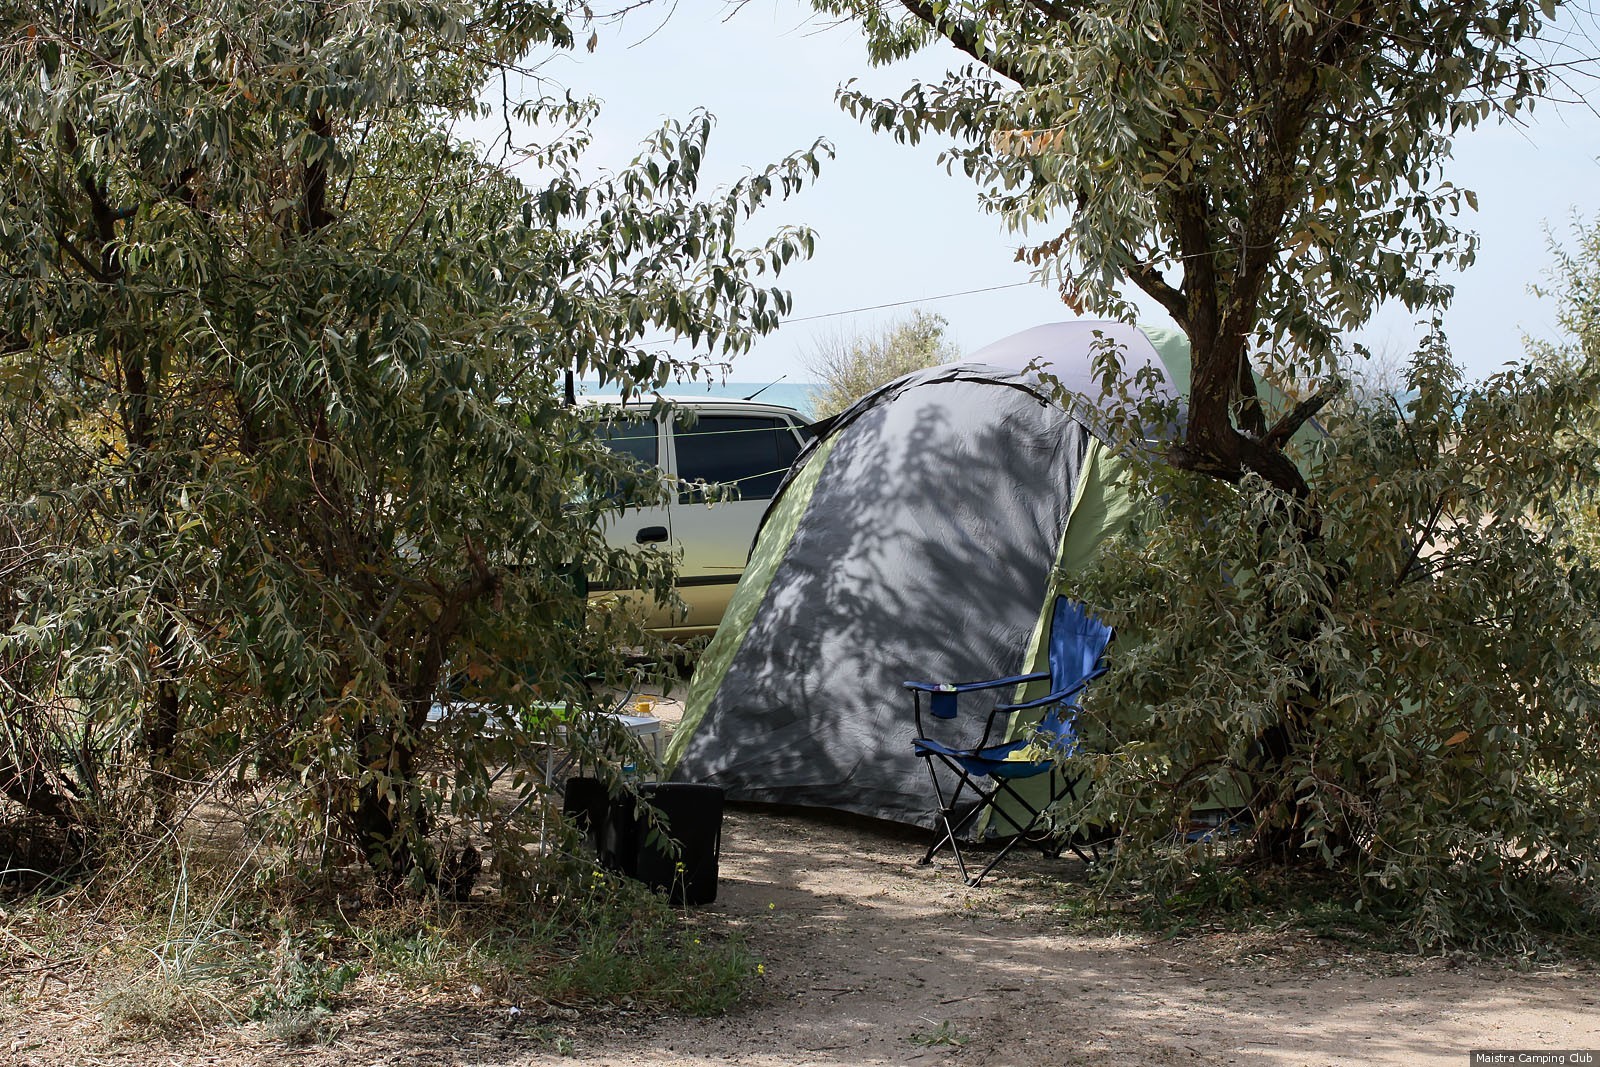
212 931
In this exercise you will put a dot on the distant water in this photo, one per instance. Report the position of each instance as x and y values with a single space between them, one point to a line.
795 395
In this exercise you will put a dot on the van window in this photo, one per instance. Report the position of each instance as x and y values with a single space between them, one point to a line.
634 437
750 451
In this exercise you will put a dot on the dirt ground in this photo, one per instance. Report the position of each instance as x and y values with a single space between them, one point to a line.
870 959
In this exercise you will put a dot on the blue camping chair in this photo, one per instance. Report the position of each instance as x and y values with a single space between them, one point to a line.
987 772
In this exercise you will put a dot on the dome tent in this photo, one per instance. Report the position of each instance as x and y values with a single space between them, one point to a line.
916 537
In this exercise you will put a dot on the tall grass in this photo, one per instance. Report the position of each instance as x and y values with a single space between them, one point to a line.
186 939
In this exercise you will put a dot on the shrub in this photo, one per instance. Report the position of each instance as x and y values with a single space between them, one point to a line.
1394 681
848 368
283 453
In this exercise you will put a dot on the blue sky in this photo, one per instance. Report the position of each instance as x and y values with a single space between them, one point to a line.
893 227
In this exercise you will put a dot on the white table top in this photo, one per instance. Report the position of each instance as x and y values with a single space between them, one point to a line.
638 724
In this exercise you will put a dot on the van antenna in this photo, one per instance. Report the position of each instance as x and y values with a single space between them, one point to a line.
764 388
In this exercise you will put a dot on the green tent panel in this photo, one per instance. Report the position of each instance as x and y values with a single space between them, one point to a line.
777 530
1100 510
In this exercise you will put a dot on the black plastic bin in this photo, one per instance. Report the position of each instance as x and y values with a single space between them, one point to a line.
693 815
685 867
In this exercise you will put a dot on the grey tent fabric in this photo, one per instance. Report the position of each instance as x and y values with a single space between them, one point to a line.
924 551
1048 343
941 514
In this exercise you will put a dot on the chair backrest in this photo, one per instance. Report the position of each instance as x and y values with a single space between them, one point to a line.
1078 643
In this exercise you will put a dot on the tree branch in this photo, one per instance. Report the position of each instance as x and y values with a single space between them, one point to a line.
1285 428
1052 10
1201 314
28 787
80 259
316 214
964 36
1163 292
1252 417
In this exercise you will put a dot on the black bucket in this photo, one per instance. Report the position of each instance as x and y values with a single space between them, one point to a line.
680 860
693 821
606 822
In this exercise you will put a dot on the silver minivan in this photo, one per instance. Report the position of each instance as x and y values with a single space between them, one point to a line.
744 446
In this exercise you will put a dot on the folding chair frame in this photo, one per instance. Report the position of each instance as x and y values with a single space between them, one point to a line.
1050 845
999 762
982 800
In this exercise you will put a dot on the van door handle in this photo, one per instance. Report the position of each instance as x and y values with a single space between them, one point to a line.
650 535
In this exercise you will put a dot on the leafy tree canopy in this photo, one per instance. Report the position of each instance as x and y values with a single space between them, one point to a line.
1380 653
1407 700
280 365
1267 173
1575 284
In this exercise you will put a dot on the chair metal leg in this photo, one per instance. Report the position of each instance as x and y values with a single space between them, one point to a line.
947 811
1051 845
944 818
1047 846
948 806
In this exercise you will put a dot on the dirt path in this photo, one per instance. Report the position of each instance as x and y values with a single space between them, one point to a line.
870 959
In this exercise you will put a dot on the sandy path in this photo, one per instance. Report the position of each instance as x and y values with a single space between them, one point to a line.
869 959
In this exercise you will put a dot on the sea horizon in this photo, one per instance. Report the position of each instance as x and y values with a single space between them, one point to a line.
797 395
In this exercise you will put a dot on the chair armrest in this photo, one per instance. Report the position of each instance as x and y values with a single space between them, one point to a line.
972 687
1053 698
